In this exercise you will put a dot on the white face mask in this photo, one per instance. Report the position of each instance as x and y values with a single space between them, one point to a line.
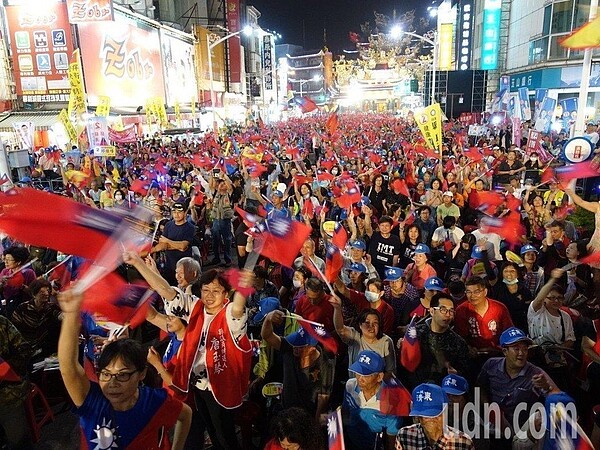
534 159
372 297
297 283
510 282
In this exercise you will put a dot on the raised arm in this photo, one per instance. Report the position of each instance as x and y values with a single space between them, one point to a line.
239 300
152 277
545 290
338 320
590 206
72 372
267 332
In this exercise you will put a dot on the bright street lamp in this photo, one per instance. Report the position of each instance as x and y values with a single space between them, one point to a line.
397 31
247 30
303 82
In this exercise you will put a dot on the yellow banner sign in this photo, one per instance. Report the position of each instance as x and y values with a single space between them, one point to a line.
103 108
445 46
160 111
177 113
118 124
68 125
77 94
430 124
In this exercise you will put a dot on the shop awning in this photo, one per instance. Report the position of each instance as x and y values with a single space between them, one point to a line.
41 120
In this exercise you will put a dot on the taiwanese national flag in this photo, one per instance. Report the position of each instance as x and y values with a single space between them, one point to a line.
281 239
573 171
68 271
352 195
334 263
473 154
254 168
7 373
233 276
335 430
489 201
319 332
563 431
547 175
394 399
114 300
410 352
249 219
308 208
49 220
332 123
509 228
140 186
305 104
340 236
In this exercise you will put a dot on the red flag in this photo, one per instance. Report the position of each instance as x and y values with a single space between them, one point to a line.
394 399
334 262
113 299
340 236
308 208
410 352
306 104
319 332
48 220
302 179
352 195
547 175
233 278
332 123
335 430
489 201
281 239
7 373
400 187
249 219
255 169
572 171
140 186
509 228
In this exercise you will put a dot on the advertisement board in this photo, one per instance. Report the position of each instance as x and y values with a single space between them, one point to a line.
490 44
235 50
268 62
41 45
81 11
445 46
121 59
178 62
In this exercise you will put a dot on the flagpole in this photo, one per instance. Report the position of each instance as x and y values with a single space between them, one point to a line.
585 79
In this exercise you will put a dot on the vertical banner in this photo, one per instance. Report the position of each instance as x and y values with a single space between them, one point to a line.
81 11
25 133
517 131
160 111
68 125
103 108
513 105
430 124
193 111
235 52
540 95
524 102
177 114
569 111
77 94
178 66
544 121
534 142
445 46
492 11
118 123
268 62
40 38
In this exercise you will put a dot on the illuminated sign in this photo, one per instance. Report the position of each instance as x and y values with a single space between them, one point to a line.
268 62
491 34
89 10
178 61
445 46
464 38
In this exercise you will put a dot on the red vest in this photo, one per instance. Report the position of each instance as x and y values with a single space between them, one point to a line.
227 362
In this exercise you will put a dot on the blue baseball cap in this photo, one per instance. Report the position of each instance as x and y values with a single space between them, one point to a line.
277 193
301 338
364 201
513 335
455 384
367 363
528 248
428 400
265 306
359 244
357 267
477 252
434 284
422 248
25 180
393 273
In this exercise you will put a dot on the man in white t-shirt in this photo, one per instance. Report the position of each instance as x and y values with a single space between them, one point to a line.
591 132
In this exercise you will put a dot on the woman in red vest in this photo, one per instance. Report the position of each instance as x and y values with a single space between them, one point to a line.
215 356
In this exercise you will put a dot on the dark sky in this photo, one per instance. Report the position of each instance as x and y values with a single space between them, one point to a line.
304 20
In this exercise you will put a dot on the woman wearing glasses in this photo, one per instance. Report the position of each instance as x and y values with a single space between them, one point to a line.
117 412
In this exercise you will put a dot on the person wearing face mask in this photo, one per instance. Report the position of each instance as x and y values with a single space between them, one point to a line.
513 294
119 200
371 298
533 168
369 336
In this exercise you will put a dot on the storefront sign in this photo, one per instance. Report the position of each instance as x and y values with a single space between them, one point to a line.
41 44
235 52
490 45
178 61
123 60
445 46
81 11
268 62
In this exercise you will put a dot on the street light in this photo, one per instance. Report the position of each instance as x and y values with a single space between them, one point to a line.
247 30
303 82
397 31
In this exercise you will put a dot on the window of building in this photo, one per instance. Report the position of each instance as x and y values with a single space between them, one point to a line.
582 12
562 15
547 20
557 51
538 50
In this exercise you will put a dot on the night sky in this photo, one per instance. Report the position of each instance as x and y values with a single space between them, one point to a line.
339 17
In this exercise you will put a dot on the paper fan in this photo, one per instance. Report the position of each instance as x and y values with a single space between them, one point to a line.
513 257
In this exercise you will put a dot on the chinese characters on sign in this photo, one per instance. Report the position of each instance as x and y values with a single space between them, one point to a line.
430 124
89 10
268 62
41 44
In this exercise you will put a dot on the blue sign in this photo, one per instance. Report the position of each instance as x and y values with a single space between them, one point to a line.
491 34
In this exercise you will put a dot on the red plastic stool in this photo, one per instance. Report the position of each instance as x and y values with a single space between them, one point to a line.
36 421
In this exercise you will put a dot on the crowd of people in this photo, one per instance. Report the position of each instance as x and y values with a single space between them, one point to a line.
469 254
